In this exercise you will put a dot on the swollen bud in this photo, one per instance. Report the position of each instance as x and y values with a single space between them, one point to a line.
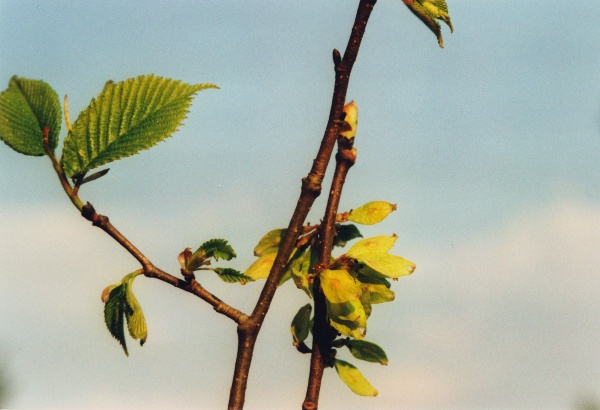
348 129
106 293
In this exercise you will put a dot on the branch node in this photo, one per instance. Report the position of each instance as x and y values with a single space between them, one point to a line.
337 58
88 212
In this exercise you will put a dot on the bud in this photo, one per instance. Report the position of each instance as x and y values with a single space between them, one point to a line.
348 129
184 258
106 293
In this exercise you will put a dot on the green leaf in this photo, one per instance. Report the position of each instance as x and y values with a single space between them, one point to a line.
428 11
301 324
122 307
232 276
377 244
218 249
114 314
298 265
371 213
367 351
26 108
354 379
389 266
125 118
345 233
270 242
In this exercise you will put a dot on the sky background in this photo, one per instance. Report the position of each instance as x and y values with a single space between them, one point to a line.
490 147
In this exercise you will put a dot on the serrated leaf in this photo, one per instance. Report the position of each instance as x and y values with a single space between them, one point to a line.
389 266
114 315
371 213
428 11
301 324
262 266
377 244
339 286
345 233
354 379
125 118
218 249
26 108
270 242
232 276
367 351
122 307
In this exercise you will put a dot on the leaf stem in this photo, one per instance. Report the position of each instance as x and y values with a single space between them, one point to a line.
72 194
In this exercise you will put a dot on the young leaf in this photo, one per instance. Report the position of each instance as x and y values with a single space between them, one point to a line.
217 248
345 233
262 266
301 324
232 276
389 266
354 379
122 307
114 314
377 244
371 213
339 286
429 10
380 293
26 108
124 118
136 323
270 242
348 318
367 351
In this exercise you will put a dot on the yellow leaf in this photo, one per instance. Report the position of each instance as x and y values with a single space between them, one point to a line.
354 379
261 267
377 244
371 213
339 286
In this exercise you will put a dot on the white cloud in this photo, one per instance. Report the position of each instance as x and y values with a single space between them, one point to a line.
505 319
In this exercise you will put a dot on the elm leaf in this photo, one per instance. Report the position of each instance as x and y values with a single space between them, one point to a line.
26 108
125 118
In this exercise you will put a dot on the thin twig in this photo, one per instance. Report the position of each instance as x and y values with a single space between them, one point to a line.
323 333
311 189
191 286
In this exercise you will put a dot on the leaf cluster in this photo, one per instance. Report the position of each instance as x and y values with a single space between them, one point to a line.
351 284
124 119
122 307
201 260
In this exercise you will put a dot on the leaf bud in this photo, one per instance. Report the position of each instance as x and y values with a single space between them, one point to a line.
348 128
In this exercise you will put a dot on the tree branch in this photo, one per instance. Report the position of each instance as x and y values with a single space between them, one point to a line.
191 286
323 334
311 189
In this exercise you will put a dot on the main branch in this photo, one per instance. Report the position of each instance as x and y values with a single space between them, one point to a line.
311 189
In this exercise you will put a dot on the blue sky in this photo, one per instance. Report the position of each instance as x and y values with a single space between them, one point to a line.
490 148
